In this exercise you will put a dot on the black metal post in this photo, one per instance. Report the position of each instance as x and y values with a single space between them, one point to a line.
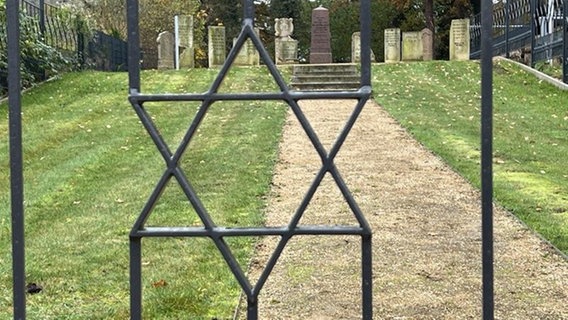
252 309
365 7
507 22
16 160
487 157
565 41
133 46
42 18
135 278
533 31
248 12
367 276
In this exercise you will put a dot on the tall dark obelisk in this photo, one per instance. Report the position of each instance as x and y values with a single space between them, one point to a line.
320 48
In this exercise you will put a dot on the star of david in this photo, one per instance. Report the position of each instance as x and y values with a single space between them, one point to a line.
210 228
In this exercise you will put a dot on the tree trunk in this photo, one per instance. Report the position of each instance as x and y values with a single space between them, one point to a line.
429 17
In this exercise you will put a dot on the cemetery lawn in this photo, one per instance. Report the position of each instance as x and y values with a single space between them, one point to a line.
89 169
439 103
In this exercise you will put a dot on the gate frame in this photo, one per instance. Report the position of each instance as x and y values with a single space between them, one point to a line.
210 229
16 154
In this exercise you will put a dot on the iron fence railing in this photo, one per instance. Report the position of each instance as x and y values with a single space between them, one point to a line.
59 28
531 26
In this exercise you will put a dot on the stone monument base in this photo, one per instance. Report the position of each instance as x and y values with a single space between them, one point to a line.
319 58
286 51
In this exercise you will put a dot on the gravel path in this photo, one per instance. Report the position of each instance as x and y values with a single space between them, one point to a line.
426 240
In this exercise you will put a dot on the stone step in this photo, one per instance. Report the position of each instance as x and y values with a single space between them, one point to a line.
325 77
330 86
325 68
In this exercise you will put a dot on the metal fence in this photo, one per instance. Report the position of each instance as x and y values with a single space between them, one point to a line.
65 31
527 27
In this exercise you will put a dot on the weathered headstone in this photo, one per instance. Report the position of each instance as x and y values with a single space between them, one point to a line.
392 45
166 46
320 47
248 54
459 39
356 48
285 48
412 46
185 41
216 46
427 44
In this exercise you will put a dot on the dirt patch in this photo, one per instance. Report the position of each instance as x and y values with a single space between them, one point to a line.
426 233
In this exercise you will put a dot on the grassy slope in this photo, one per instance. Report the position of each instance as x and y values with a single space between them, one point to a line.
439 103
89 169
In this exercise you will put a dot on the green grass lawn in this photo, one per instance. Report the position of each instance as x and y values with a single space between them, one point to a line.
89 169
439 103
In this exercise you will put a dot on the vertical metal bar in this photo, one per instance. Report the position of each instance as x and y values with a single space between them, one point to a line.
133 46
486 156
42 18
248 14
507 22
565 41
533 31
367 276
16 160
176 32
135 278
252 309
365 9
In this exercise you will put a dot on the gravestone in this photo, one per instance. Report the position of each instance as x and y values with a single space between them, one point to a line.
185 42
320 46
392 45
459 39
412 46
216 46
285 48
427 44
356 48
248 54
166 46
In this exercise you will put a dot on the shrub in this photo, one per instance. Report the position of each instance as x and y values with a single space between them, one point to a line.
39 61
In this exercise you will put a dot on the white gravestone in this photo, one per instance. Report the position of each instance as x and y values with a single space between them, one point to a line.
166 44
216 46
392 45
356 48
412 46
459 39
285 48
248 54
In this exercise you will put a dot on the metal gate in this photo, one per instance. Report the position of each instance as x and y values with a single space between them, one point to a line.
172 170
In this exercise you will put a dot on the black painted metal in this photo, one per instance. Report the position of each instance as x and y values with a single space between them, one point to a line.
487 157
533 32
16 160
507 27
565 42
173 171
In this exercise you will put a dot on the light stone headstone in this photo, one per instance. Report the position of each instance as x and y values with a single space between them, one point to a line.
356 48
320 46
412 46
216 46
285 48
185 41
459 39
248 54
427 44
392 45
166 46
